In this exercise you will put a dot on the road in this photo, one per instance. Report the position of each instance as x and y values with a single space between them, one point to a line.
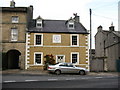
59 81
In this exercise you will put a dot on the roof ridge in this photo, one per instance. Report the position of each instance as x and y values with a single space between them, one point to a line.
53 20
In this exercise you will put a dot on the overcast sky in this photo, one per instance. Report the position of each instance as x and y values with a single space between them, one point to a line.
104 12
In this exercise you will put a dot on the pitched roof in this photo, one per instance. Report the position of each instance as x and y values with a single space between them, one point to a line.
117 33
56 26
105 32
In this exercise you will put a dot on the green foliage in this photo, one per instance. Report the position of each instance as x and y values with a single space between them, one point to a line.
49 61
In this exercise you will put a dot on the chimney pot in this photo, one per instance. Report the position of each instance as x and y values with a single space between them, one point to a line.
100 28
111 28
76 17
12 3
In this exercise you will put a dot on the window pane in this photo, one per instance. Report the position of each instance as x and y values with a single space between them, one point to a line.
38 58
15 19
14 34
74 40
74 58
70 65
64 65
70 25
39 24
38 39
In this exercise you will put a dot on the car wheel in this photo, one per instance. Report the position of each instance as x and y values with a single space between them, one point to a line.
82 72
57 72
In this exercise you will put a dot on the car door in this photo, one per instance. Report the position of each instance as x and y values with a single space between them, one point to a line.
63 68
71 68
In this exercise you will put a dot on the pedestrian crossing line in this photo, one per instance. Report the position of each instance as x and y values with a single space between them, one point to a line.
9 81
30 80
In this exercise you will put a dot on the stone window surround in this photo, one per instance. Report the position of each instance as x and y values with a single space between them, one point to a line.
77 39
35 39
77 57
41 53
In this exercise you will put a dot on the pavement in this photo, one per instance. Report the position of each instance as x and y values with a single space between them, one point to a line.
45 72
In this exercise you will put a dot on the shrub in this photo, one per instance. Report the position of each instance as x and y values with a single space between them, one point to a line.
49 61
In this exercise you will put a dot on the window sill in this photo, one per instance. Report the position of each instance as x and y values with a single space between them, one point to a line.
38 65
15 22
74 45
38 45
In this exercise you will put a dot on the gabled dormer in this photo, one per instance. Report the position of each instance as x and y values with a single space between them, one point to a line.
39 22
70 23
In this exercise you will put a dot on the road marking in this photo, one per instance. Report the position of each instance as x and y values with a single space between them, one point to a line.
98 77
52 79
85 78
9 81
30 80
70 78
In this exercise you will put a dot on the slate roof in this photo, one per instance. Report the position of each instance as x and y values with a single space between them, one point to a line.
56 26
117 33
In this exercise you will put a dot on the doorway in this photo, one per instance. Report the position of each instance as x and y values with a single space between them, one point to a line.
13 59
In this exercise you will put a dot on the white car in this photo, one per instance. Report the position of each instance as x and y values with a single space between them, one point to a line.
66 68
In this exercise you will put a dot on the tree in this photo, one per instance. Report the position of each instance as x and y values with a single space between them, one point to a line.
49 61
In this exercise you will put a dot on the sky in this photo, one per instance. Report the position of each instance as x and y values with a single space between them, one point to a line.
104 12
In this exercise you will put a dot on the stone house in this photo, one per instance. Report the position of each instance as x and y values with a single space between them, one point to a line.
14 24
66 40
107 48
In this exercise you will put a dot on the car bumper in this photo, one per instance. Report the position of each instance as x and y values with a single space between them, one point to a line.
51 70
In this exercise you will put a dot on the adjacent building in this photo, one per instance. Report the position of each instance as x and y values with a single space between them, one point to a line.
66 40
14 24
107 48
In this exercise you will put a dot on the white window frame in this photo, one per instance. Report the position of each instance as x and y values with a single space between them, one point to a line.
39 21
77 39
55 37
15 21
60 55
77 57
35 39
13 34
41 58
71 24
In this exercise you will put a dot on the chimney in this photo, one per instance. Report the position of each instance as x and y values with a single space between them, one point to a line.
111 28
31 10
76 18
12 4
29 14
100 28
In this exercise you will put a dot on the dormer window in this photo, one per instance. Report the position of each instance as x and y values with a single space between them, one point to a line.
71 23
39 23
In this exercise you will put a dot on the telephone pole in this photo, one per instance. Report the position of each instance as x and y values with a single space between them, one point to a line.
90 35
